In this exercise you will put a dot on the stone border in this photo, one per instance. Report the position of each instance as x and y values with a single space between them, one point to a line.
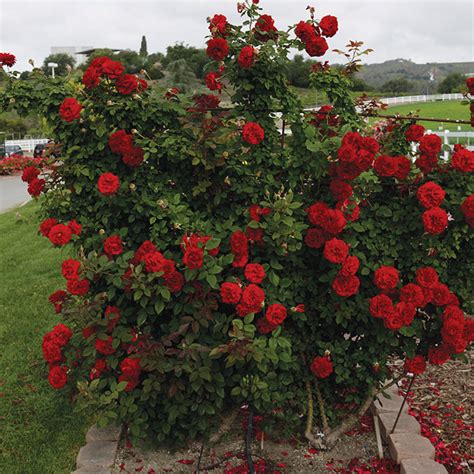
407 447
99 453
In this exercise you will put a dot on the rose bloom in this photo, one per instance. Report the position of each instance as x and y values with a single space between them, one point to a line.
430 195
317 213
30 173
78 287
57 376
70 269
276 314
430 145
394 321
385 166
62 334
51 349
254 235
254 273
218 25
104 346
120 141
414 132
413 294
340 190
70 109
253 133
36 186
193 257
315 238
467 208
91 77
230 292
335 250
386 278
349 266
75 227
403 167
427 277
435 220
7 59
217 49
174 281
321 367
440 294
47 225
246 57
317 46
60 234
438 355
127 84
112 69
305 31
462 160
256 212
333 221
108 184
265 28
346 286
328 25
406 312
252 298
426 163
381 306
113 245
211 81
133 156
416 365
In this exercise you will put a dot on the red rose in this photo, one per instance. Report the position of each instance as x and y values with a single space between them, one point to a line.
416 365
57 376
91 77
174 281
315 238
265 28
317 46
253 133
36 186
47 225
78 287
462 160
328 25
154 261
246 57
217 48
430 145
108 183
340 190
51 349
413 294
251 301
112 314
70 109
104 346
386 166
133 156
30 173
406 312
254 235
131 367
61 334
57 297
440 294
427 277
333 221
467 208
321 367
127 84
70 269
349 266
60 234
218 25
345 286
212 82
276 314
98 63
335 250
254 273
99 368
414 132
469 330
230 292
7 59
112 69
347 153
430 195
426 163
438 355
113 245
305 31
193 257
239 247
256 212
381 306
403 167
120 141
394 321
351 211
317 213
386 278
435 220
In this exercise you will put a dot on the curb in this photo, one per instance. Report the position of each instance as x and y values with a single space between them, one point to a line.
98 454
407 447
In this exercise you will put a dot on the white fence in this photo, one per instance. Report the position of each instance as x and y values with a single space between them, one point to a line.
27 144
410 99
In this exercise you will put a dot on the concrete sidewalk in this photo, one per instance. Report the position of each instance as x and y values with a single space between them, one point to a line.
13 192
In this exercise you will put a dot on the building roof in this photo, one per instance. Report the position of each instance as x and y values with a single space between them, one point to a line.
88 52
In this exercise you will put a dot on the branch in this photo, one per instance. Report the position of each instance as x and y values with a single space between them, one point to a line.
309 420
322 411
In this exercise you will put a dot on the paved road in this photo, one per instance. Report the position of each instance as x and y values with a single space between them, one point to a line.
12 192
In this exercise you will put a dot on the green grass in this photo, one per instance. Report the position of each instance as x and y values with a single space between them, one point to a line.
39 433
453 110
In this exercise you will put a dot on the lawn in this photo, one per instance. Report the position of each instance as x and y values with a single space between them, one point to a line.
39 433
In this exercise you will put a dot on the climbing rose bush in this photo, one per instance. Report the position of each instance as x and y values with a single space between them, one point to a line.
218 261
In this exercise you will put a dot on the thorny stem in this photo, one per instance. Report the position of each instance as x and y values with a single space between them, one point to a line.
248 442
322 411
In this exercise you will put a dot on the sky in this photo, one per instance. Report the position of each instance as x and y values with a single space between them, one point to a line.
422 31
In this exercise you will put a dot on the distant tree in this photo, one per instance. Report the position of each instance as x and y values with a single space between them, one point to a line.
453 82
397 85
63 60
194 57
359 85
154 65
180 75
298 71
143 47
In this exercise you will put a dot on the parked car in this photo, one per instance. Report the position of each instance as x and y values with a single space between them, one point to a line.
38 151
13 150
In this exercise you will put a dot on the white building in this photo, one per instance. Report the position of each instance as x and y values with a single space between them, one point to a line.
71 51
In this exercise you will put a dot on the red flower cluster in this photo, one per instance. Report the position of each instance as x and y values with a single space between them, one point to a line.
230 292
57 299
392 166
52 347
265 28
70 269
253 133
430 195
321 367
240 248
70 109
315 44
414 132
131 370
218 26
251 301
121 142
246 57
328 25
113 246
217 49
462 159
35 185
108 184
254 273
435 220
430 147
415 365
7 59
212 81
467 208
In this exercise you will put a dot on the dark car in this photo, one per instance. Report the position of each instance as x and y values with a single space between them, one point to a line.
13 150
38 151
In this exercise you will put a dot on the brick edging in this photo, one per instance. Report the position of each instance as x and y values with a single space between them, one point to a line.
98 454
407 447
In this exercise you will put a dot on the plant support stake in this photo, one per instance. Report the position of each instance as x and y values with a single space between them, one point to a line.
403 403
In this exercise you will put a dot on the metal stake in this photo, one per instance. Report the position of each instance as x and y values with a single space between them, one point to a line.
403 403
